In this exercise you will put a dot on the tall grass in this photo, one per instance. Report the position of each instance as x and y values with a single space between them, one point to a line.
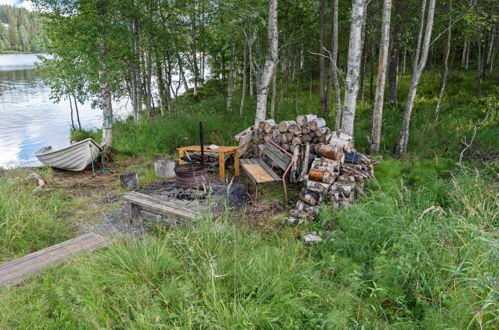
29 220
399 258
429 137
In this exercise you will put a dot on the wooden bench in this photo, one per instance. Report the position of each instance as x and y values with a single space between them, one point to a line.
16 270
138 201
260 172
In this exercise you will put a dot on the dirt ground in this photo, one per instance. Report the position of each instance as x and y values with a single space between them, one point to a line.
94 199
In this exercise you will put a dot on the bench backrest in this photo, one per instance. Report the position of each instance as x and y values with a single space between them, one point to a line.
277 156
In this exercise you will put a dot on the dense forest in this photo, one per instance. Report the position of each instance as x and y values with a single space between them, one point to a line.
146 49
20 30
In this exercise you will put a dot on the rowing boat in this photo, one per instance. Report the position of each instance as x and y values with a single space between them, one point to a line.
75 157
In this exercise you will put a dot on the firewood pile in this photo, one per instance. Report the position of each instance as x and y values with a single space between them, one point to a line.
332 171
336 177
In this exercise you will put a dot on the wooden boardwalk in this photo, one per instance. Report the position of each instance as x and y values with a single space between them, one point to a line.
16 270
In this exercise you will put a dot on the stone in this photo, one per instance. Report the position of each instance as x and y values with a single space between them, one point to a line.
165 168
311 238
129 180
290 221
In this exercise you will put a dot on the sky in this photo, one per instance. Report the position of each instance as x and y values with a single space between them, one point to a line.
20 3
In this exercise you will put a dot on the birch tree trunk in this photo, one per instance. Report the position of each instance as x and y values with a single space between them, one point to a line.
418 66
243 87
334 64
463 58
274 92
393 63
445 72
354 59
322 64
270 63
77 113
230 85
380 84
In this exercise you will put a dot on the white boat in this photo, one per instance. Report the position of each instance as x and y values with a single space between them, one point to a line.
76 157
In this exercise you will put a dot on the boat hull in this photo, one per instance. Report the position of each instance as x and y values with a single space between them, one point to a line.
75 158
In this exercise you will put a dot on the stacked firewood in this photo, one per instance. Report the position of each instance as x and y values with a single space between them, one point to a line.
336 177
333 172
302 137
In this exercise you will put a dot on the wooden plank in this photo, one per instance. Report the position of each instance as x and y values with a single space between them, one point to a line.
159 206
268 169
258 173
281 159
16 270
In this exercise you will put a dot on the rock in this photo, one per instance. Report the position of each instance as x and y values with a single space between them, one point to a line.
311 238
129 180
293 221
164 168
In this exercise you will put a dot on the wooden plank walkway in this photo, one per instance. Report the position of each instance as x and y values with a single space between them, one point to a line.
16 270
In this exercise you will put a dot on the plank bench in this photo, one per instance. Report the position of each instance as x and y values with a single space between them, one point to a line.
16 270
137 201
260 172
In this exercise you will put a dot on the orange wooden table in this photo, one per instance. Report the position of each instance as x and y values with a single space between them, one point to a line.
221 151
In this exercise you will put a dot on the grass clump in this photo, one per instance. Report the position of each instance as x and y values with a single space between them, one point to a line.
29 220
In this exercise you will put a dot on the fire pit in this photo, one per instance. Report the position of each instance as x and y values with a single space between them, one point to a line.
191 175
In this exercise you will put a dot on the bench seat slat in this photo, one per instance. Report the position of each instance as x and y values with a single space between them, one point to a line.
159 206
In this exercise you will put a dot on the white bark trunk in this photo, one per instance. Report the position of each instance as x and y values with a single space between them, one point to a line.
230 85
380 85
354 59
445 72
270 63
419 65
337 90
107 112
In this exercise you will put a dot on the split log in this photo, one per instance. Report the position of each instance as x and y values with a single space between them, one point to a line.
340 139
283 139
267 125
289 137
284 125
317 186
276 135
296 140
310 197
317 147
304 169
294 168
316 123
321 131
321 176
244 133
332 152
295 129
267 137
305 139
303 120
305 130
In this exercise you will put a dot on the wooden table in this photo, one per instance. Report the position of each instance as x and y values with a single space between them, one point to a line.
221 151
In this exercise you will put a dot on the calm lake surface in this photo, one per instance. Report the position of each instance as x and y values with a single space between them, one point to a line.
29 119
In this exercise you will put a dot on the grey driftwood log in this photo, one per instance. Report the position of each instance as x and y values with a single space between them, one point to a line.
164 168
129 180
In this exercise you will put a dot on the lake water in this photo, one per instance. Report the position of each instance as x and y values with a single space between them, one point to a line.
29 119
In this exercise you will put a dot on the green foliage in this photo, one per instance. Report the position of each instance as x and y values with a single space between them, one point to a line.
29 220
20 31
77 135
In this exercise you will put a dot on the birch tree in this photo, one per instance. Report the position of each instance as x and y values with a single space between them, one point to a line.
445 71
353 69
269 66
380 85
419 64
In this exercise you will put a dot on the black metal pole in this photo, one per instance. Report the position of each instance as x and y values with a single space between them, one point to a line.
201 141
